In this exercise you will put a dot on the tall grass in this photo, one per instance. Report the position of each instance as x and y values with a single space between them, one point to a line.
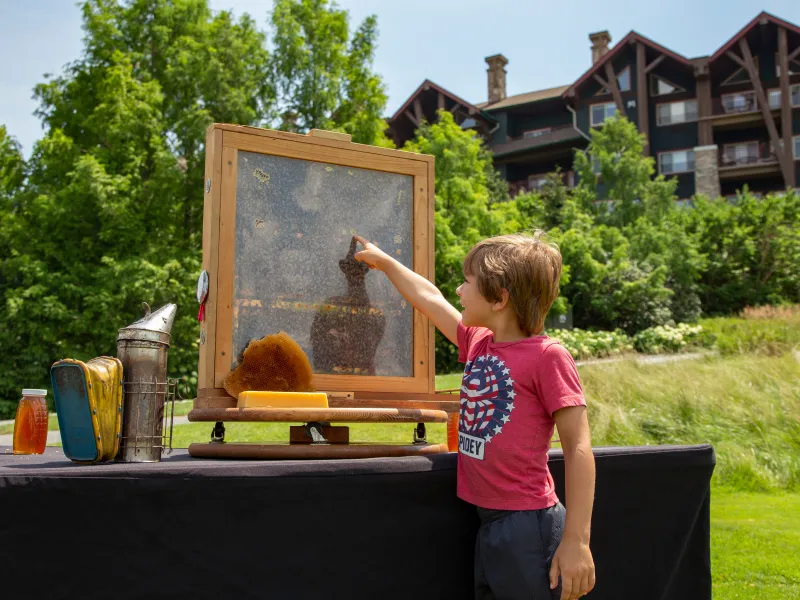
748 407
760 335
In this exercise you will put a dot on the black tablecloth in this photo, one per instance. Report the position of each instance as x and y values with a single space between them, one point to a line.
349 529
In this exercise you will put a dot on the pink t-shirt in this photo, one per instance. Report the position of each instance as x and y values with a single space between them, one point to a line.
509 393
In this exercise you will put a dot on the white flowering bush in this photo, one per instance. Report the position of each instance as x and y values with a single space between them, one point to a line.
593 344
666 339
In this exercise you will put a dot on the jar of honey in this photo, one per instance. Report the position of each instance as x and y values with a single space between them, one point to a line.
30 425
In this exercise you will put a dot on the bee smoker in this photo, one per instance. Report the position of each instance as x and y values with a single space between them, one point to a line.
143 348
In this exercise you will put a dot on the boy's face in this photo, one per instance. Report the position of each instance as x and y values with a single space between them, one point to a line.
477 310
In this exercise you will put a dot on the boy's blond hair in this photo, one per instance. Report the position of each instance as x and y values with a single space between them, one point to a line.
527 266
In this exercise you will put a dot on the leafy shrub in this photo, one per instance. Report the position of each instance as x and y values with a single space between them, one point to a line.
666 339
593 344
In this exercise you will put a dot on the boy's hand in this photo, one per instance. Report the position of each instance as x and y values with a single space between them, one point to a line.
573 561
371 255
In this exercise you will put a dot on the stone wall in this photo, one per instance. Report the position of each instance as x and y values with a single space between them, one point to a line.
706 171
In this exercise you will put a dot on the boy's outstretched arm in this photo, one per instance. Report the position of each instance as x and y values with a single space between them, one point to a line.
573 558
420 293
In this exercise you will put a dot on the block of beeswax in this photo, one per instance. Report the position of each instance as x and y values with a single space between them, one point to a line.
254 399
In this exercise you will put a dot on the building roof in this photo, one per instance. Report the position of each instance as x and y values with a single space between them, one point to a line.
763 17
631 38
525 98
429 85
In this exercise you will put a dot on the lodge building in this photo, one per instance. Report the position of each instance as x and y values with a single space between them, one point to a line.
714 122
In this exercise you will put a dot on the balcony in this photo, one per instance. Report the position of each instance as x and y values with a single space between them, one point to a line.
536 139
747 160
741 108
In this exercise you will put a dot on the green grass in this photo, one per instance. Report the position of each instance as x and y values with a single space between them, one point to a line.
747 406
755 546
772 337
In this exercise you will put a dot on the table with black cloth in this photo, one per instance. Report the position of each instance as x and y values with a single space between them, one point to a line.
350 529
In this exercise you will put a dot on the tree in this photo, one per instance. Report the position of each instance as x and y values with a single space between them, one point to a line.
323 77
626 175
752 250
110 213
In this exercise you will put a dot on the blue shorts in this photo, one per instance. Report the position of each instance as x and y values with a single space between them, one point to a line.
513 553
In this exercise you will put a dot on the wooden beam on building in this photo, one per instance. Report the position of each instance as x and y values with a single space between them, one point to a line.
786 106
655 63
755 79
612 85
455 107
641 96
412 118
705 133
600 80
440 101
794 53
418 110
736 59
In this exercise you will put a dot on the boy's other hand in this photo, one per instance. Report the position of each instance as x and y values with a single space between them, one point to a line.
371 255
573 561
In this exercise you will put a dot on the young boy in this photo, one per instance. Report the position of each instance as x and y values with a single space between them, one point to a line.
517 385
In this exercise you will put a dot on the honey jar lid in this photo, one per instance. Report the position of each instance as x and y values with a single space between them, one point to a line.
33 392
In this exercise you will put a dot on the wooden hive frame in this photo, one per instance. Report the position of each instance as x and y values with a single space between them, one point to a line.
223 143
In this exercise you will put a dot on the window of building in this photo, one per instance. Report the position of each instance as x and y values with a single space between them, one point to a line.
601 112
677 161
469 123
676 112
623 82
743 153
797 148
740 75
774 96
739 102
534 133
595 165
661 87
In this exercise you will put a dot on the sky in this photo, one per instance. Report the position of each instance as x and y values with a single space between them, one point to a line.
446 41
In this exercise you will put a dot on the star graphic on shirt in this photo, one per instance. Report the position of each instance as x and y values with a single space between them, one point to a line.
481 358
502 364
497 429
511 394
510 381
505 371
488 437
510 406
505 418
493 359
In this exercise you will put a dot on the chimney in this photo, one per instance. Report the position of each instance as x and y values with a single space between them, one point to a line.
497 77
600 42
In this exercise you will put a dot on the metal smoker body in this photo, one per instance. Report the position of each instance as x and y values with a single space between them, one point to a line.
143 348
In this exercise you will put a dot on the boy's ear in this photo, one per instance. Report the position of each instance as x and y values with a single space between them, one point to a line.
503 301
